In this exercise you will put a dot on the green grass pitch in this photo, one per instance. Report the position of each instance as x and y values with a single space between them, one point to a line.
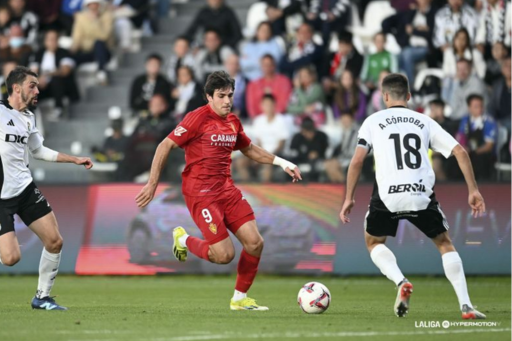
190 308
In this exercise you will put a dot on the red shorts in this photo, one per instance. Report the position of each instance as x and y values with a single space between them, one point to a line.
216 214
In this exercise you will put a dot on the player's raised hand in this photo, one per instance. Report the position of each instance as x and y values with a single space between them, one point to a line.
345 210
476 201
145 195
295 173
85 161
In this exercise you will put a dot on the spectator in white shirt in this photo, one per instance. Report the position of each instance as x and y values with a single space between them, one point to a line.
181 56
461 49
187 93
55 67
270 131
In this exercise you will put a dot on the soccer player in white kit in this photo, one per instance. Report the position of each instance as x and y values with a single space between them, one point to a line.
19 195
400 139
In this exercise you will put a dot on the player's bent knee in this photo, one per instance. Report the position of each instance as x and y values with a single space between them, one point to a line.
442 239
11 259
224 258
443 242
254 247
54 245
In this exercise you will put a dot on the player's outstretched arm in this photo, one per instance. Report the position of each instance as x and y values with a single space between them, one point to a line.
475 200
159 161
260 155
354 172
47 154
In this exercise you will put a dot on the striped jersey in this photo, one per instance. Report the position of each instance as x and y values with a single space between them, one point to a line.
401 139
18 136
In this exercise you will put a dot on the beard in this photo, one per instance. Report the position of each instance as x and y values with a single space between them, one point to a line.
28 102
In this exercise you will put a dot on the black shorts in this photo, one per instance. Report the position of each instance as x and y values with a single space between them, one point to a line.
431 221
30 205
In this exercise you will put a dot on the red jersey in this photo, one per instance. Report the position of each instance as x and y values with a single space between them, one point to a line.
208 141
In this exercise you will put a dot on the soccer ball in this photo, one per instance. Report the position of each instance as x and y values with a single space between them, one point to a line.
314 298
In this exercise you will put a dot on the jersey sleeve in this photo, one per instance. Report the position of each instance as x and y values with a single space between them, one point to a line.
35 139
187 130
242 140
440 140
364 137
490 131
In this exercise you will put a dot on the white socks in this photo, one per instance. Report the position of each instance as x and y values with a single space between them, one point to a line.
183 240
454 271
48 268
386 262
238 295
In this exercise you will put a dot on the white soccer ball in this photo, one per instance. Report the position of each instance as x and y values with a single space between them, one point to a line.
314 298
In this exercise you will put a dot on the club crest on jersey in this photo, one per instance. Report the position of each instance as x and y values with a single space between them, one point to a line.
28 126
233 127
179 130
213 228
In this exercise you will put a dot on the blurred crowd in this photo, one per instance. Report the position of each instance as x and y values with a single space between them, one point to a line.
307 73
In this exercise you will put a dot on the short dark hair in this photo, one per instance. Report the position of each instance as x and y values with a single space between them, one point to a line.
345 37
269 56
269 97
269 24
473 97
464 60
189 69
18 76
218 80
380 34
181 37
439 102
154 56
52 30
396 85
307 124
212 30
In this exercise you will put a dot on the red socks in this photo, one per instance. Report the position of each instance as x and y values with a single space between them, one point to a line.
198 247
247 269
247 265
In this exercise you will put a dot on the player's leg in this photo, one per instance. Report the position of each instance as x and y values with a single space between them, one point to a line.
247 268
383 257
252 243
454 271
432 222
379 225
240 220
10 253
47 229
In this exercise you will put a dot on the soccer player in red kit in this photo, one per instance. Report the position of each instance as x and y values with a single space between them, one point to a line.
209 135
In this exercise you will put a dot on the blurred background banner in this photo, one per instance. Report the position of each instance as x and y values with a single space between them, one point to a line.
106 234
